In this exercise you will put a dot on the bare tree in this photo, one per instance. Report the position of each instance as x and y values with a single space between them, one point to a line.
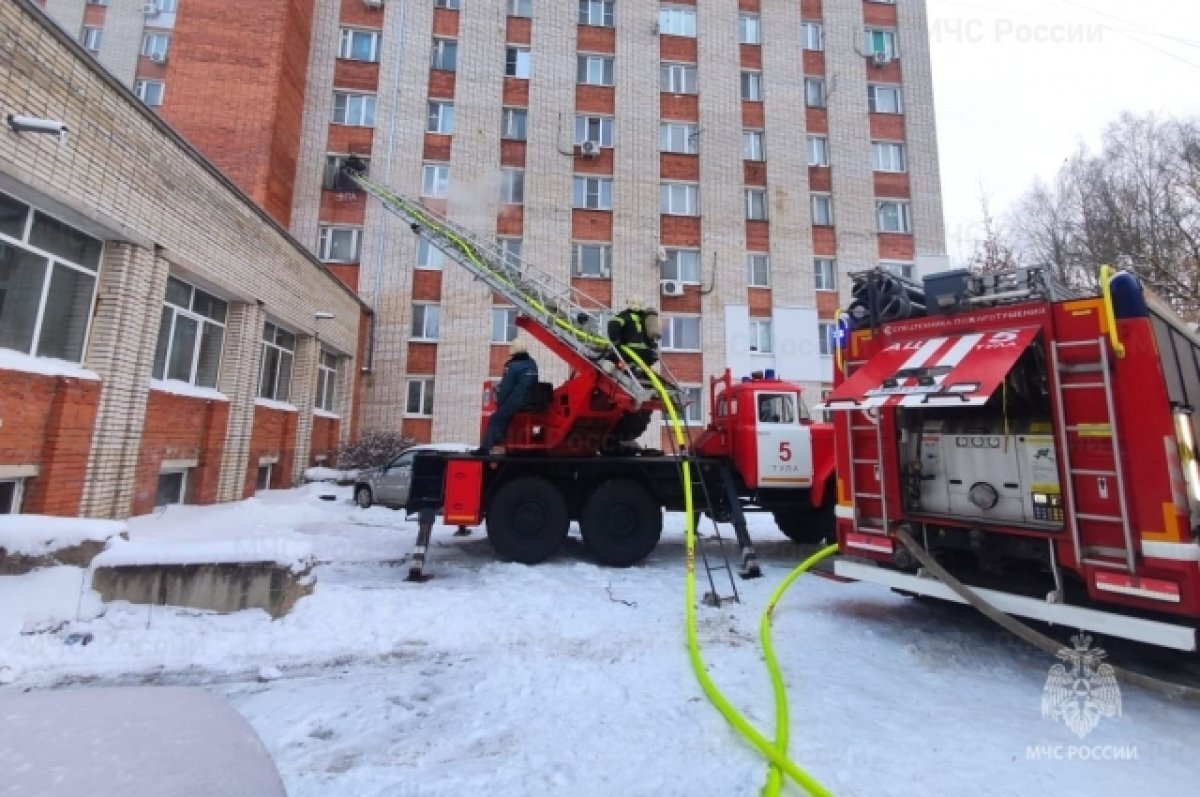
994 252
1135 204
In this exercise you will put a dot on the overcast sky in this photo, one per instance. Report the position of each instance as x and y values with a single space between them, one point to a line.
1020 83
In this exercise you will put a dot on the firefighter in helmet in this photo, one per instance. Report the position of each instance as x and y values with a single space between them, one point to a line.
637 327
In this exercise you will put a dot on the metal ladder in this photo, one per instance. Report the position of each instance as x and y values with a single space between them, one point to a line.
576 320
1088 555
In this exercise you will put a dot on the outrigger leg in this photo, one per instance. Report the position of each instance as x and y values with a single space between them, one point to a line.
425 520
749 567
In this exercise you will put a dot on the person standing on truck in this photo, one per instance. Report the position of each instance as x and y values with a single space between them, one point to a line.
520 375
637 327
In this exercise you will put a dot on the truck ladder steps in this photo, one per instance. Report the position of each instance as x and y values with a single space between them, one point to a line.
872 496
1109 564
1099 518
862 428
1081 386
1079 368
1092 427
576 320
1112 474
1075 344
866 462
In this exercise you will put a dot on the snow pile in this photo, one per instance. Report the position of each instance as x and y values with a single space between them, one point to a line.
272 404
39 535
45 366
44 600
286 551
330 475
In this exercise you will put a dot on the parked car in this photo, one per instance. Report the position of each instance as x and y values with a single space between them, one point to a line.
389 486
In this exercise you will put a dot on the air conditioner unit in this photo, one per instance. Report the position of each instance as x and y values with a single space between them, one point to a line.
590 149
881 59
159 58
672 288
150 9
373 3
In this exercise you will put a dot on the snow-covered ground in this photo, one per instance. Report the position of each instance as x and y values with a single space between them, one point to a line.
568 678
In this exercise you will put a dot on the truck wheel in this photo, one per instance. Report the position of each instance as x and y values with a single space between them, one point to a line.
620 523
812 525
362 496
527 520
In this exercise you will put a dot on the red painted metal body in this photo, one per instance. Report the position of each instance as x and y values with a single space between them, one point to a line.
1094 452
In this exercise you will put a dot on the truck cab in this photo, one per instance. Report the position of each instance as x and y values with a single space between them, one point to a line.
780 454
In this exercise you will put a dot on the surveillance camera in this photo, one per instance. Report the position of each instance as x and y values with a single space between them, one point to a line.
31 124
323 316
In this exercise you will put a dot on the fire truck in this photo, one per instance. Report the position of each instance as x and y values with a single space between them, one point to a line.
568 455
1038 442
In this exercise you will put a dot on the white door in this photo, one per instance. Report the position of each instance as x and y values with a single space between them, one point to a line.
784 443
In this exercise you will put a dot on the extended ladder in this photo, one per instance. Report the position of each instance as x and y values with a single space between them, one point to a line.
571 316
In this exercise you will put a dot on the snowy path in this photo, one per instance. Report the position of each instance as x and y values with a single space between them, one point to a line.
510 680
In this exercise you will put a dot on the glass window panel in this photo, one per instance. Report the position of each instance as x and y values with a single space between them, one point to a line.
164 339
183 349
68 310
64 241
209 366
12 216
22 277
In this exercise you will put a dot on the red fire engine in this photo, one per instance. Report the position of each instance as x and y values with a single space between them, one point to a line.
1040 445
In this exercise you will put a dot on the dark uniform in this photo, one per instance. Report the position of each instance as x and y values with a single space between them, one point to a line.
520 375
636 329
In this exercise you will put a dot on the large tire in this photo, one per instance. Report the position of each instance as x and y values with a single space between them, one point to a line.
527 520
810 526
363 497
620 523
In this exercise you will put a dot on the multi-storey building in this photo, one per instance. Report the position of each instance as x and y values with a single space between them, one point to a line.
728 161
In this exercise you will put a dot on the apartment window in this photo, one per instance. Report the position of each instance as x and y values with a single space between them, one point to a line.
884 99
420 397
813 35
356 110
512 186
594 70
825 274
190 335
822 210
681 333
510 251
596 12
47 283
11 492
444 55
679 137
91 37
904 270
429 256
149 91
592 193
327 372
749 30
679 199
594 128
504 324
677 21
339 244
682 265
97 2
818 151
425 320
752 86
888 156
825 332
356 44
752 145
171 488
275 373
517 61
333 180
520 8
591 260
677 79
435 180
760 336
450 4
441 117
893 216
692 410
814 92
881 42
512 124
758 271
166 6
756 204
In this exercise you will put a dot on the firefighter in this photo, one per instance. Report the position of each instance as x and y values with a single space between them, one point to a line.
520 375
638 328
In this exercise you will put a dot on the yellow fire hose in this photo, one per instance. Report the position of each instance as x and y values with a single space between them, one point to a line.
776 755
